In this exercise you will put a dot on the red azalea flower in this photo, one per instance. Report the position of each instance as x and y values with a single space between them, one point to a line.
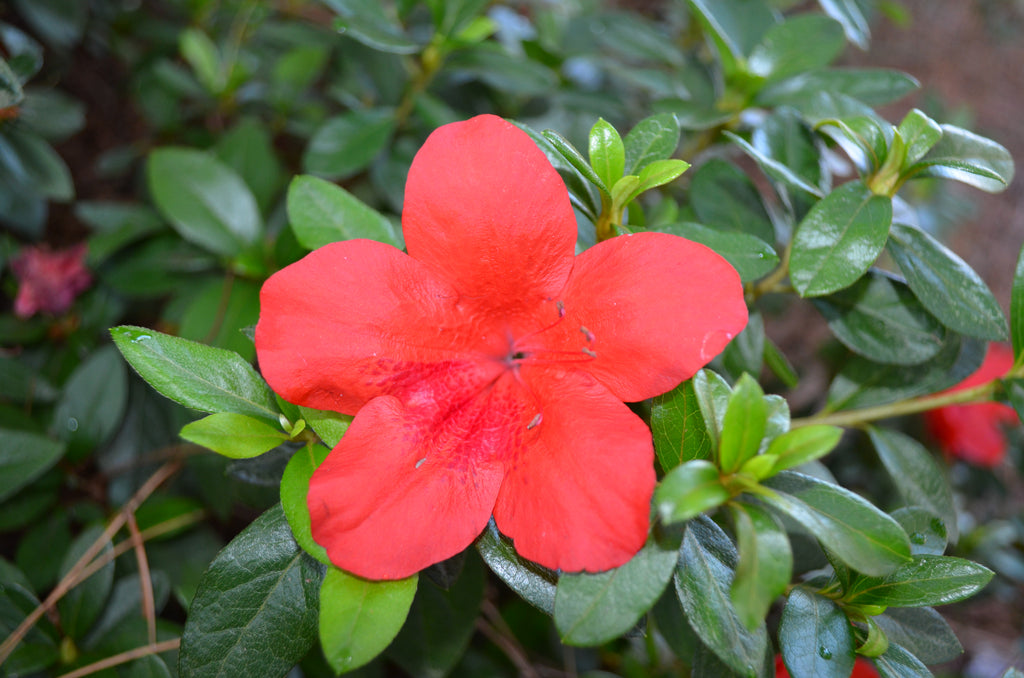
49 281
862 668
974 432
487 368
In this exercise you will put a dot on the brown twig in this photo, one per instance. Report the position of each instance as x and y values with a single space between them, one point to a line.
145 583
124 657
498 632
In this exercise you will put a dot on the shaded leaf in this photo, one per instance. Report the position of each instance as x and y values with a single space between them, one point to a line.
815 636
723 196
923 632
24 457
321 213
534 584
751 257
347 143
82 605
765 564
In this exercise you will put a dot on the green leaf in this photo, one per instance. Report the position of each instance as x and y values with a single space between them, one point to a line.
359 618
779 364
233 435
330 426
255 613
506 73
703 580
774 169
23 458
248 149
203 56
206 202
872 86
660 172
848 525
624 190
195 375
968 158
59 22
368 22
92 404
815 636
897 662
743 425
38 649
920 133
765 563
294 490
591 609
573 157
801 43
724 197
928 580
927 533
752 257
1017 307
678 427
923 632
218 312
712 393
839 239
440 624
918 477
801 445
653 138
863 137
345 144
689 490
607 153
879 318
34 163
321 212
11 93
851 15
533 583
946 285
738 25
745 353
82 605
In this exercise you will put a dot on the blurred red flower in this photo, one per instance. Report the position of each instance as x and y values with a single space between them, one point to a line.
974 433
487 368
862 668
49 281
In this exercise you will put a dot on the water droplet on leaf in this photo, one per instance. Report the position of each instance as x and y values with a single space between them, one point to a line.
72 424
824 652
918 538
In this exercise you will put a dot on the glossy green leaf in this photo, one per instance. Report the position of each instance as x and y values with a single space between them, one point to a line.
255 613
577 161
535 584
653 138
703 580
607 153
1017 307
928 580
815 637
195 375
93 402
946 285
345 144
82 605
801 445
897 662
591 609
800 43
624 190
294 490
880 319
660 172
839 239
368 22
321 212
848 525
863 137
752 257
678 427
359 618
968 158
787 139
743 426
922 631
712 393
853 16
724 197
765 563
440 624
927 532
23 458
738 24
330 426
689 490
920 133
205 201
233 435
917 475
773 168
873 86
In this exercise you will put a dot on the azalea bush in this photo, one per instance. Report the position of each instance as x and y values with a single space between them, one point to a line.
439 338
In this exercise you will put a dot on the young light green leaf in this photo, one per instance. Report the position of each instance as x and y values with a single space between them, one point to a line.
920 133
839 239
765 564
916 474
678 427
712 393
689 490
195 375
653 138
577 161
848 525
801 445
660 172
815 636
968 158
294 490
927 580
330 426
607 152
347 143
206 202
624 190
359 618
591 609
321 212
202 55
24 457
946 285
255 613
233 435
743 425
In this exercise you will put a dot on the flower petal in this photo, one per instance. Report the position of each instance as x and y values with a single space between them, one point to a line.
409 487
485 208
358 319
973 433
577 496
651 309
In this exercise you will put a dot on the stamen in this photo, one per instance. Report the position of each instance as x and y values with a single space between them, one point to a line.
420 462
535 421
